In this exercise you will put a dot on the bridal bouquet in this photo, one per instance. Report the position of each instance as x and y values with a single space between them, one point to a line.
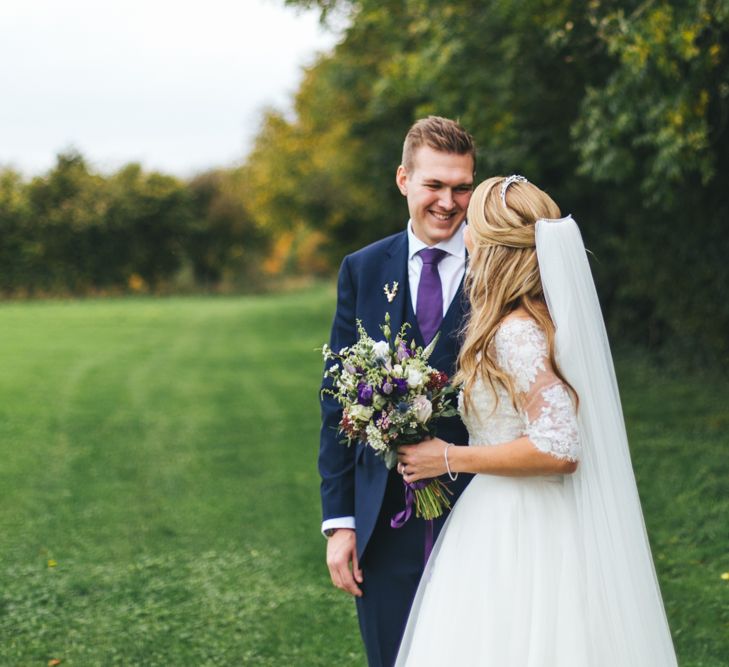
390 396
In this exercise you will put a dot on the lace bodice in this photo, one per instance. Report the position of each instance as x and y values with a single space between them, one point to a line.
546 413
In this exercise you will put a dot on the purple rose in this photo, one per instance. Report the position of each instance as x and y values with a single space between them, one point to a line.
364 394
401 386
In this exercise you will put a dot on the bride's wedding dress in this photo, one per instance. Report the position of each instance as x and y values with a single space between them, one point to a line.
546 571
504 583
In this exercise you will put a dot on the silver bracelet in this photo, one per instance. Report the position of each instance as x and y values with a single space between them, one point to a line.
451 476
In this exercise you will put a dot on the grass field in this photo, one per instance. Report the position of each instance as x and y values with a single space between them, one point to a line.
159 494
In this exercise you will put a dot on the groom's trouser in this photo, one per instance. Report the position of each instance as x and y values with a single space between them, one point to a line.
391 566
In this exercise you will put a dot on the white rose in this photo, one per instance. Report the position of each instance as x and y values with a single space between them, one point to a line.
381 350
422 409
360 412
414 378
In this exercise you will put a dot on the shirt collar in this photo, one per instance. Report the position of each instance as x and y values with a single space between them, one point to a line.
453 246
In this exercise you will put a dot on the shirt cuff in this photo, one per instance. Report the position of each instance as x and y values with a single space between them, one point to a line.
338 522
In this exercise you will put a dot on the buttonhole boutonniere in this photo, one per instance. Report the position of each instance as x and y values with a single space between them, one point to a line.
390 292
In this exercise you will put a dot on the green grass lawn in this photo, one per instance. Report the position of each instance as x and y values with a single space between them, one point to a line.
159 494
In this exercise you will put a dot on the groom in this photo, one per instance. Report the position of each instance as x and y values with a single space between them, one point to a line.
416 276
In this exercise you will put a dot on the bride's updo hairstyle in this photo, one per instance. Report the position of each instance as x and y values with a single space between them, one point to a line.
503 275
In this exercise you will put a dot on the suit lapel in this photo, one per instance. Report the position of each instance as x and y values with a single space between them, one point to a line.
395 270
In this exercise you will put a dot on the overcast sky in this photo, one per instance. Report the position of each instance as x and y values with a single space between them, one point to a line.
174 84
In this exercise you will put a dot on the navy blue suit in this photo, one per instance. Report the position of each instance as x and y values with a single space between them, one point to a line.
355 482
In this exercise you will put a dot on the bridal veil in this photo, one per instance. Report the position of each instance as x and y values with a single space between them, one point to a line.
623 598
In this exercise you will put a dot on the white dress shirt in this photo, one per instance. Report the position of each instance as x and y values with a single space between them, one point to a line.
451 269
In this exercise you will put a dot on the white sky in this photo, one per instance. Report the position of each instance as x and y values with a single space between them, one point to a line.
174 84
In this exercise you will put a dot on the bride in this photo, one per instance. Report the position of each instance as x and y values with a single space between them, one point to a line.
544 561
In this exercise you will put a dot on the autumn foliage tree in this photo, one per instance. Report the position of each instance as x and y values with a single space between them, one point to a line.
618 109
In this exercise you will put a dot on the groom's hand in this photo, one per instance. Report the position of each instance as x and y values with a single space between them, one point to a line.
341 553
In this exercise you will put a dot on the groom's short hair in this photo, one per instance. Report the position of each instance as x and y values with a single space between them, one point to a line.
440 134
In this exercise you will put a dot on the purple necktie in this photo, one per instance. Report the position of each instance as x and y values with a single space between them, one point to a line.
430 293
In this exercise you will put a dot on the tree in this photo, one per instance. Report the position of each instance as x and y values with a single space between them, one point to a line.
225 244
618 109
655 134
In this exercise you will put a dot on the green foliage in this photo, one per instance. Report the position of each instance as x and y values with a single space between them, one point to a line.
618 109
160 493
75 231
149 217
17 247
655 135
224 244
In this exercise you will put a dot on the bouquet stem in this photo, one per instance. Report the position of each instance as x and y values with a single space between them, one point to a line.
432 499
427 497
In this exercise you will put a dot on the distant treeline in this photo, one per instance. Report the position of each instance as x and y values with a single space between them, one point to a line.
73 231
619 109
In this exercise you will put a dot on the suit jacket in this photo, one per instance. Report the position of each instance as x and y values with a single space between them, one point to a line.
354 478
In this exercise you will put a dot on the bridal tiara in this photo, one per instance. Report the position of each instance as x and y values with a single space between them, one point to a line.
514 178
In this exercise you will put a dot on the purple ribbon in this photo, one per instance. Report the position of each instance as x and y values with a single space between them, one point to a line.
401 518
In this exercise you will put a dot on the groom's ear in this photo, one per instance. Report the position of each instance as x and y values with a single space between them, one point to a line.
401 178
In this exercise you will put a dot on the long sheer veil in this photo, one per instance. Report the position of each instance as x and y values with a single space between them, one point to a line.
623 598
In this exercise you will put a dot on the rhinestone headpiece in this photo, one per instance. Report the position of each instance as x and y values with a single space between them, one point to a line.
514 178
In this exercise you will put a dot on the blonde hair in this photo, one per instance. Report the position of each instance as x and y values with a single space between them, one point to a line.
440 134
503 275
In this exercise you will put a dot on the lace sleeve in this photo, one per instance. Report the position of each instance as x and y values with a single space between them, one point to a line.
544 400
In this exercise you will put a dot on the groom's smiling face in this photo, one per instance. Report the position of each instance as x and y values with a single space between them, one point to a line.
438 188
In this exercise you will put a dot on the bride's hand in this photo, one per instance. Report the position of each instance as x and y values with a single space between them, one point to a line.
421 461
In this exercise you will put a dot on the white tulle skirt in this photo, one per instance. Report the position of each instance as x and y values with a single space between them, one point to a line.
504 586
